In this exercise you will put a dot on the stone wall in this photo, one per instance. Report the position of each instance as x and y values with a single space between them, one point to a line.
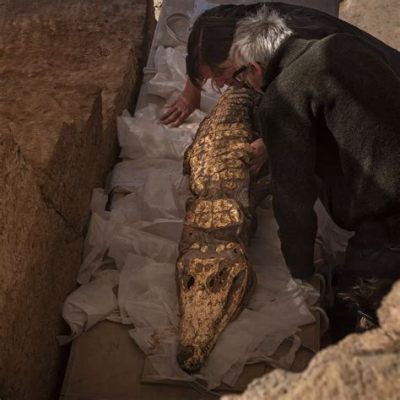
68 68
380 18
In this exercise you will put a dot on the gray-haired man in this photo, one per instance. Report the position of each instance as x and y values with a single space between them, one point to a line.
330 110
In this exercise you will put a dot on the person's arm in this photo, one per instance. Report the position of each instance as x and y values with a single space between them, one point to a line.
183 106
290 138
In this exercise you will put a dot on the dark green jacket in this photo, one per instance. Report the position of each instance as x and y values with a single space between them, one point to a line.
331 109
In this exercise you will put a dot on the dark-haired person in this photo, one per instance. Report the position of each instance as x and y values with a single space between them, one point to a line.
210 41
330 109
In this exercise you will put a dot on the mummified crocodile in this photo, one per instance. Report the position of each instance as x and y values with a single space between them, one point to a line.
213 273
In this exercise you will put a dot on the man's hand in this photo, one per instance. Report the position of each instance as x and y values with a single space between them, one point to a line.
177 112
183 106
259 157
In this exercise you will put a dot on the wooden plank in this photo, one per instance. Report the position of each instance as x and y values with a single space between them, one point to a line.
249 374
106 364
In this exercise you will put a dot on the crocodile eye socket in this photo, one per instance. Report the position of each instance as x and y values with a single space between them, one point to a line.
211 282
189 281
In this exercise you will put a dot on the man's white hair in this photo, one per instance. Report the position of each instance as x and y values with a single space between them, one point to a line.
258 36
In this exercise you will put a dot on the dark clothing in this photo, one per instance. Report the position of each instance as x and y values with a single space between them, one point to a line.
328 112
332 109
308 23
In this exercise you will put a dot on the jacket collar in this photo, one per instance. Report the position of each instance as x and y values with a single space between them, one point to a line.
286 54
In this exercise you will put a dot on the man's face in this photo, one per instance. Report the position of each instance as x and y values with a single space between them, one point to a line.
253 75
222 75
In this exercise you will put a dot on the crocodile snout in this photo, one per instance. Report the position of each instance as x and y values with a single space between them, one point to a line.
186 360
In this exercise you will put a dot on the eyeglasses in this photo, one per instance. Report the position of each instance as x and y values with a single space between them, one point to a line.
240 79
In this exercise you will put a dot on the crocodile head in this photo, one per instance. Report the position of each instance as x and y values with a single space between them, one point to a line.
212 282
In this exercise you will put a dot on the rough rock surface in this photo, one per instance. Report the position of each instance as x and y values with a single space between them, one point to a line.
364 366
379 18
67 69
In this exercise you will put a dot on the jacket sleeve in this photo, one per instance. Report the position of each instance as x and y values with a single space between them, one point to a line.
289 133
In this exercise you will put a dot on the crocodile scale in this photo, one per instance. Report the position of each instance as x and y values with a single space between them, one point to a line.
213 273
